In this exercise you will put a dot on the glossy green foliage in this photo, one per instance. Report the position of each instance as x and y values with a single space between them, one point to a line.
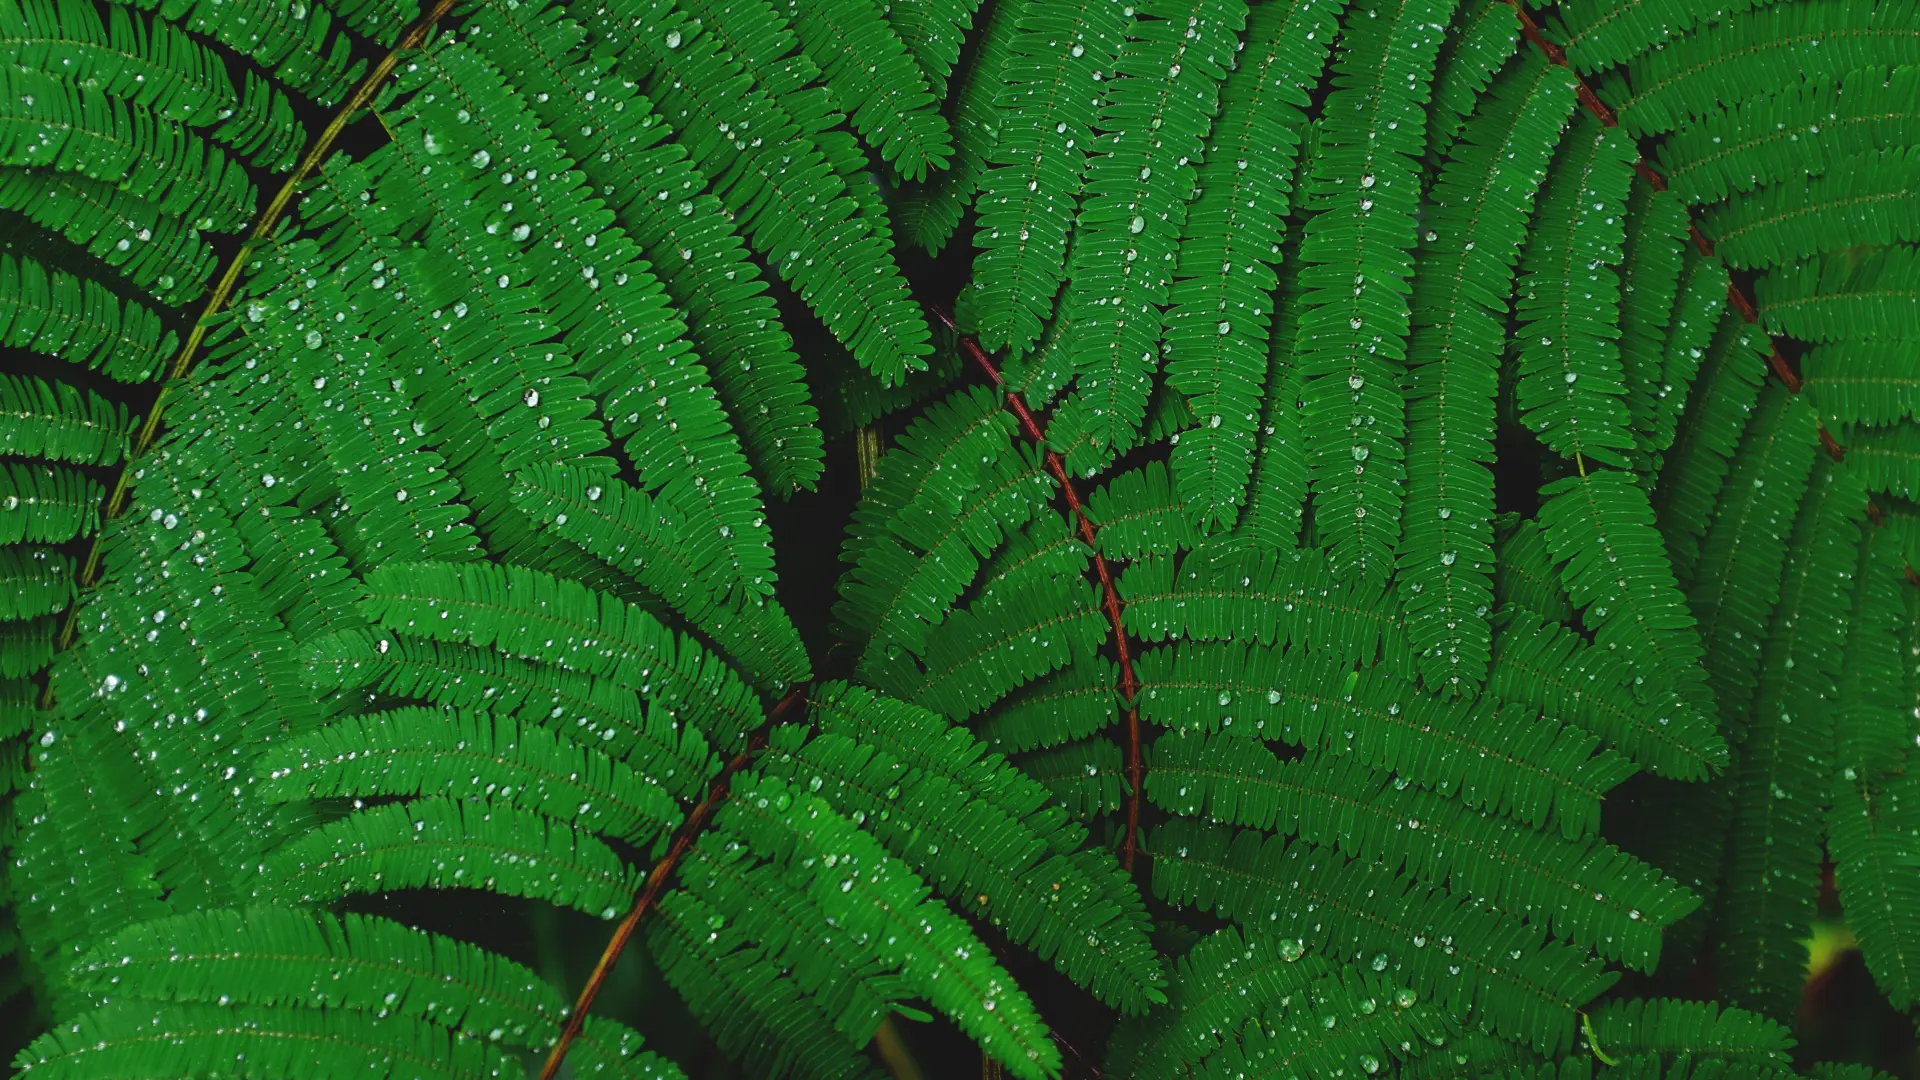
1401 561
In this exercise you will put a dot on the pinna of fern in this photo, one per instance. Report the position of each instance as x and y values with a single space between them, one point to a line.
451 565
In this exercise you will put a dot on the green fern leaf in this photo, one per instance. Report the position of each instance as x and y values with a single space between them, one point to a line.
788 205
416 751
1544 665
79 321
1798 130
686 236
137 1037
888 903
1356 264
1501 759
1570 385
436 843
1031 189
1600 529
1220 314
1443 947
60 422
1585 893
1480 211
1158 106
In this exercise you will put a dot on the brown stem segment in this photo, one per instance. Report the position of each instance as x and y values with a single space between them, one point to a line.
1035 429
1742 303
658 877
223 291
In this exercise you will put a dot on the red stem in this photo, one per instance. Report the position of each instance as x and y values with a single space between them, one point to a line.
657 880
1035 429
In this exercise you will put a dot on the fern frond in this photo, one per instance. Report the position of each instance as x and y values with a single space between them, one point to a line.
137 1037
1863 200
599 712
686 236
1476 50
1524 576
1480 210
1699 310
744 1001
1220 304
1773 851
1737 580
33 582
987 861
1690 1031
623 528
1862 382
877 80
1516 981
836 971
937 954
928 215
1229 592
79 129
60 422
618 329
1600 528
1887 459
1650 280
418 751
1224 981
1376 1021
535 616
80 321
46 504
1069 704
303 48
1159 103
1833 297
274 957
998 643
155 65
1277 492
1597 34
165 259
1050 95
1819 40
436 843
1800 129
1723 397
1875 802
1501 759
788 200
1585 893
1543 665
1356 256
1139 514
1569 382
